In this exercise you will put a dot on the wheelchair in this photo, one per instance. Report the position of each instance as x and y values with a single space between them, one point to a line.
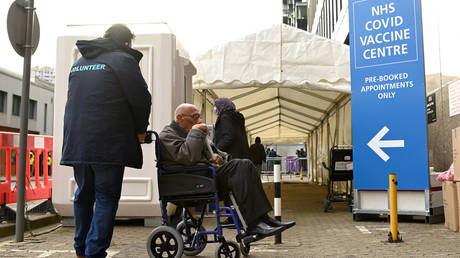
189 187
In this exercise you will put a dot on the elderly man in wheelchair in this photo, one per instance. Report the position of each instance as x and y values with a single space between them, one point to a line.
193 172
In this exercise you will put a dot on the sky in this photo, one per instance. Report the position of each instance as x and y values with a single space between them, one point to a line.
198 24
441 36
203 24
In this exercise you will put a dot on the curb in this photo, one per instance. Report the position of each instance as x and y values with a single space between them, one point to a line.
37 221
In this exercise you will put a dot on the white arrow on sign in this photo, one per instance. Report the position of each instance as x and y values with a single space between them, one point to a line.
376 144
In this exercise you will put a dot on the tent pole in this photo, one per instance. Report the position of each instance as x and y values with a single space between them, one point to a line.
281 54
337 125
316 156
203 105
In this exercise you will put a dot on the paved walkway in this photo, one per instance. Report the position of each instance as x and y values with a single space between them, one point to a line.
317 234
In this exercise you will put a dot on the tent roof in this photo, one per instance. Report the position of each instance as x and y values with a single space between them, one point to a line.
284 80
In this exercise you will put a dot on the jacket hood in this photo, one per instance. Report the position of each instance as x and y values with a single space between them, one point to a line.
93 48
224 104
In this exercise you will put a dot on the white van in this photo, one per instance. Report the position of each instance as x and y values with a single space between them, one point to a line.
168 72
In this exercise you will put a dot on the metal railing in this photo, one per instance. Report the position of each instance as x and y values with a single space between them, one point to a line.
290 165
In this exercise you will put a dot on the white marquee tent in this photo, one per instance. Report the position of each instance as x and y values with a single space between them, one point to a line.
278 57
291 86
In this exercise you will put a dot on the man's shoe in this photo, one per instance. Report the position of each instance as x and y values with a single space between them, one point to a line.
264 230
275 223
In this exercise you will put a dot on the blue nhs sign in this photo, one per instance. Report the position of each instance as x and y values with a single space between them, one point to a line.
388 94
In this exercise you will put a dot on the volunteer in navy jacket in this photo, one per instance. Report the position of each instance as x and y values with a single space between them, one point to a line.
106 117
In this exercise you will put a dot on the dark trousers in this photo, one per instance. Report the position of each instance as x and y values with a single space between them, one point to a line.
242 178
100 184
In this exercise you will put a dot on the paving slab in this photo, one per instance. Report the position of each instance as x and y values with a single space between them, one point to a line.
317 234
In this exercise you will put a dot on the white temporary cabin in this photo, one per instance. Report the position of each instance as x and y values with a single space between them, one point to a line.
168 72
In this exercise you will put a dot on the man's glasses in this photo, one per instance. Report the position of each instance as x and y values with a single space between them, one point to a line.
194 116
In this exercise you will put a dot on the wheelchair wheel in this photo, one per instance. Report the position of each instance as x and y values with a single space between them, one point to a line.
165 241
188 248
227 250
245 248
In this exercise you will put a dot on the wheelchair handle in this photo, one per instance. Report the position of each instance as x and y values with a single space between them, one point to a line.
148 137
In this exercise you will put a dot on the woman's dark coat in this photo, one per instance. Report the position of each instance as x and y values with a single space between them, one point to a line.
230 134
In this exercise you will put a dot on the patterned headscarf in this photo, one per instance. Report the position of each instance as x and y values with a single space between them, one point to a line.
224 104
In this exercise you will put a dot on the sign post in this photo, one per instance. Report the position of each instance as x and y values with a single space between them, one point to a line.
24 35
388 94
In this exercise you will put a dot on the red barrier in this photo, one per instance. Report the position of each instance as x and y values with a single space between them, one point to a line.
38 186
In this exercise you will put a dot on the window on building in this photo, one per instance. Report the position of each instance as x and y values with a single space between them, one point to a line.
323 21
328 18
285 20
3 98
331 17
185 89
16 105
323 24
302 16
32 109
45 117
336 10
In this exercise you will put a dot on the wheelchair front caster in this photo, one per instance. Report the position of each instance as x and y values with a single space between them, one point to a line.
227 249
189 249
245 248
165 241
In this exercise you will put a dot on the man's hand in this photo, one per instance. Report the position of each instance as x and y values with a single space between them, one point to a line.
202 127
217 159
141 137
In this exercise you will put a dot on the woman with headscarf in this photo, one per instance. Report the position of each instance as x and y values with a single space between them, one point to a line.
229 131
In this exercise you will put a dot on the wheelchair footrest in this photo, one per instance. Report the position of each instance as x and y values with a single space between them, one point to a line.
228 226
251 238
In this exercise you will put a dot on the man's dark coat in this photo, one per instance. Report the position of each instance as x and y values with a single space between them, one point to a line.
108 104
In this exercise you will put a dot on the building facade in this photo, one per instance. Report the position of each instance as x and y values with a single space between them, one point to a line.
44 73
327 18
41 107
